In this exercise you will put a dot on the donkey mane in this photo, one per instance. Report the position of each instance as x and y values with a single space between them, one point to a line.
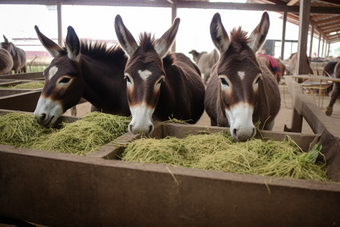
240 37
98 50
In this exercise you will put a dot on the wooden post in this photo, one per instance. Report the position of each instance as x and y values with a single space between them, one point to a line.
319 45
311 40
173 16
302 61
323 46
60 34
329 48
284 21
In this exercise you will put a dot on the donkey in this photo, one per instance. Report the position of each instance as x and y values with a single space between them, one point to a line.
160 85
205 62
275 66
242 90
336 91
6 62
82 69
18 56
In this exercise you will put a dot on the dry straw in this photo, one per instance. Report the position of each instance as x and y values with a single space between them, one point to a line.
81 137
218 151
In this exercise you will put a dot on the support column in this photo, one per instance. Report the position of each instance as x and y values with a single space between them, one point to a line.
319 45
323 46
173 16
302 61
283 39
311 40
60 34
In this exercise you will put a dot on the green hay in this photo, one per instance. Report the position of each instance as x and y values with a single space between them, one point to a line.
81 137
85 135
30 85
218 152
20 129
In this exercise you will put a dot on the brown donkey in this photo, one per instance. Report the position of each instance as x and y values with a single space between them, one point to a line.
159 85
242 90
82 69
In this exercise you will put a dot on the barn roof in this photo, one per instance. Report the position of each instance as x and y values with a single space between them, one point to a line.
324 14
326 23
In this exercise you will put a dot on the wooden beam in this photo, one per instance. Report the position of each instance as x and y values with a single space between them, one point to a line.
318 17
292 2
331 20
331 1
284 22
311 40
301 63
60 31
331 29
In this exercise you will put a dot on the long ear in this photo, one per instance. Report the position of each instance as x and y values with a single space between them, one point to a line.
50 46
125 38
218 34
6 40
164 43
258 36
72 45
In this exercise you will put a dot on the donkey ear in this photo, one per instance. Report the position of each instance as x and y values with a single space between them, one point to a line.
218 34
72 45
125 38
164 43
6 40
50 46
258 36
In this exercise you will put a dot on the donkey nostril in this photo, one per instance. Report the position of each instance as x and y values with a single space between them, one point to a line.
43 116
235 131
130 128
150 129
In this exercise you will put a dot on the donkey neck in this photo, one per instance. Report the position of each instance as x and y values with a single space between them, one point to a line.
105 86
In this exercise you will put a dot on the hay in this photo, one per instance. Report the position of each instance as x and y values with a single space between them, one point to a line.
20 129
218 152
85 135
29 85
81 137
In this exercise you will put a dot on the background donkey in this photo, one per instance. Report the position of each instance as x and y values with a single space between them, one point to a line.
18 56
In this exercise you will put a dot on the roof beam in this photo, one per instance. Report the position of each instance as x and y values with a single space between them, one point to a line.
331 1
328 21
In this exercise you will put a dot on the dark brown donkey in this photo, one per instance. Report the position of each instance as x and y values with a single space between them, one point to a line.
159 85
242 90
82 69
18 56
336 91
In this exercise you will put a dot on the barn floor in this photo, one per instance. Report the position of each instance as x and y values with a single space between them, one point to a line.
284 118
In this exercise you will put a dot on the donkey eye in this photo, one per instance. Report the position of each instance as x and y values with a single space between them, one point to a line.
128 79
64 80
224 82
160 81
257 80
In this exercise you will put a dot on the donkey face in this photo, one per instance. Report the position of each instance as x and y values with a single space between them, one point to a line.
63 81
239 75
144 72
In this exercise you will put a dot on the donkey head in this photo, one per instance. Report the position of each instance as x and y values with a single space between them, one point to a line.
63 81
6 45
144 72
239 74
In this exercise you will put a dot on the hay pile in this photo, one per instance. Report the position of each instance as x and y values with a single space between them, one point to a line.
29 85
81 137
217 151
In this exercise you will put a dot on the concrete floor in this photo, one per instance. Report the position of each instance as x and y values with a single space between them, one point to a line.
283 118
